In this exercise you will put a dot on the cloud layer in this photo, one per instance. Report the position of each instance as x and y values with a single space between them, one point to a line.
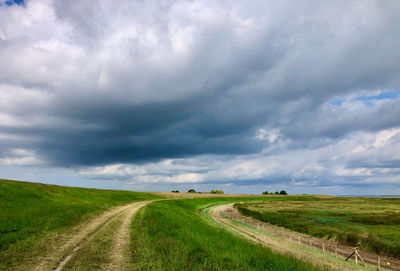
302 95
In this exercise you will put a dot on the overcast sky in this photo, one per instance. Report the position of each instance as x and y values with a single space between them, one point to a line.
242 96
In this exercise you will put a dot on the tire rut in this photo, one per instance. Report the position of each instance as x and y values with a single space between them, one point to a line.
77 238
121 242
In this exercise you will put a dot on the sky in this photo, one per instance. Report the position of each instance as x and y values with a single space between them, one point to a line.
158 95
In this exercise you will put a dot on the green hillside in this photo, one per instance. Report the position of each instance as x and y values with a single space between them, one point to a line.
29 211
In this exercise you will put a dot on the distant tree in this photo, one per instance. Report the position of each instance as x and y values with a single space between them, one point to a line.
265 193
276 193
175 191
283 192
191 191
216 191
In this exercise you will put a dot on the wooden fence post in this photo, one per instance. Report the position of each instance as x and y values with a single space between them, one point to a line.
379 262
355 256
299 241
323 247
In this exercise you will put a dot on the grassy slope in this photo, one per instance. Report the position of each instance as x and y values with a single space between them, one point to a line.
29 211
175 235
372 223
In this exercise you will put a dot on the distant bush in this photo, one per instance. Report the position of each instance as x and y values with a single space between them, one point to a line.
265 193
276 193
217 191
191 191
175 191
283 192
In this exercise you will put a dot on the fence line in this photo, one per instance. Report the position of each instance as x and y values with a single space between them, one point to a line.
325 246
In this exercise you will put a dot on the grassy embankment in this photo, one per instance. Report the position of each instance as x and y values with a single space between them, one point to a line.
30 211
175 235
371 223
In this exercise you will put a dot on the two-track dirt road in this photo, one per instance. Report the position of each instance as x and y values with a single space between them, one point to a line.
102 243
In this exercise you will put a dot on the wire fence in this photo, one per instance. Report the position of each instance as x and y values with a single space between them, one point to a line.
325 246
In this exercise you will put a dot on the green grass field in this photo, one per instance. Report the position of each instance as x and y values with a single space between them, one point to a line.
30 211
176 235
371 223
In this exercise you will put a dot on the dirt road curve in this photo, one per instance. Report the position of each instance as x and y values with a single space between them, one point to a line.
70 245
324 261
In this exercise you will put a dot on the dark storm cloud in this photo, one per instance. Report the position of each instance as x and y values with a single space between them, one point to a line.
102 134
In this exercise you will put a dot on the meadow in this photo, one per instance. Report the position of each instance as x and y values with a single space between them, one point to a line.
31 211
373 224
174 234
177 235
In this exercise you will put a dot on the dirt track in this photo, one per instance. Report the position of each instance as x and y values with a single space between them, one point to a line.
270 239
67 246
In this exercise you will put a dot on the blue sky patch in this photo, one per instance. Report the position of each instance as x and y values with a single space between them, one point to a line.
380 96
12 2
368 100
336 102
